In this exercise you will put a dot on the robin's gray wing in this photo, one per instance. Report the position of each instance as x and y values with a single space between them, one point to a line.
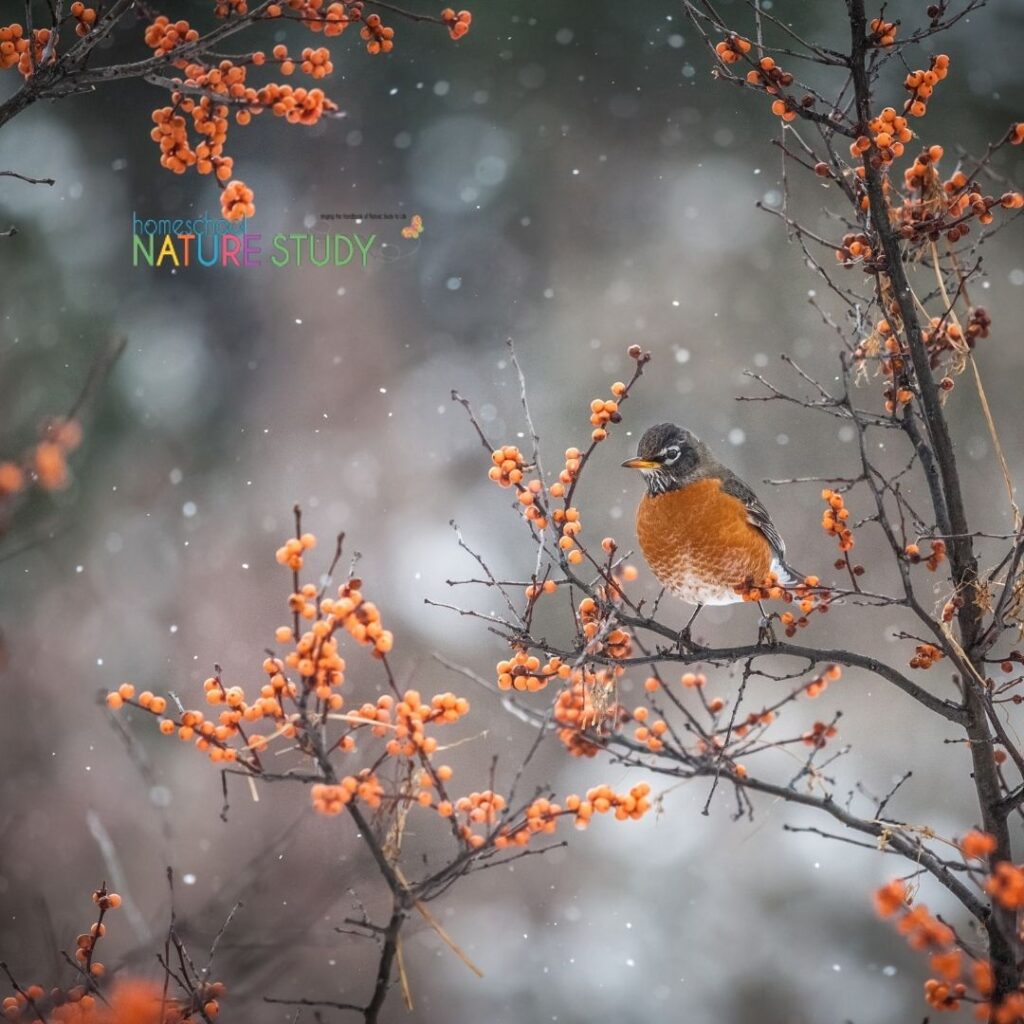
757 514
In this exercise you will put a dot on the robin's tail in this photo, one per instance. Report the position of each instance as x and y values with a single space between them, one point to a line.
790 577
786 574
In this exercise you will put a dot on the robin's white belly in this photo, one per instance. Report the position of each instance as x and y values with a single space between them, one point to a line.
693 591
688 584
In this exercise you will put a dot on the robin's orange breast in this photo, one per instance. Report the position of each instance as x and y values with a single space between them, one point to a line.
699 543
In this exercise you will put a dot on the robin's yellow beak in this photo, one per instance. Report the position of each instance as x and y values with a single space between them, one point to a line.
639 463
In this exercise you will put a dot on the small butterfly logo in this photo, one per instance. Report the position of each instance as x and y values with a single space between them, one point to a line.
415 227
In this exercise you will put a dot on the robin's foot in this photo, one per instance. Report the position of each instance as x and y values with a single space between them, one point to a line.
765 632
685 640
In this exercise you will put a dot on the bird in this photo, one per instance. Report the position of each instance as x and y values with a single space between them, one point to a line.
702 530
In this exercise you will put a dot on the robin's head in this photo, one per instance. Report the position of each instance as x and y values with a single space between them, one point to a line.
668 456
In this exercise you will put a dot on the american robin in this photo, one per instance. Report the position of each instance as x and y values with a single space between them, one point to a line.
702 530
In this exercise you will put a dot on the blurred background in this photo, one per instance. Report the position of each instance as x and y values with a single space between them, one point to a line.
584 185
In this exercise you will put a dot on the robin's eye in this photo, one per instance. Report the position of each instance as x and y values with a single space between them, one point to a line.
670 455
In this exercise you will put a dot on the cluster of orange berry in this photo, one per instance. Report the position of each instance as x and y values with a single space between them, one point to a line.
295 105
811 597
884 344
49 457
966 200
942 994
920 215
458 24
1006 885
617 643
883 33
317 660
227 79
331 799
817 686
855 248
889 134
944 335
224 8
210 118
351 611
921 84
46 462
755 720
951 607
332 21
585 706
75 1004
768 589
769 76
573 461
401 719
896 396
603 412
507 470
85 944
922 176
955 187
411 715
32 56
891 898
835 518
732 48
933 561
130 1000
525 672
171 135
210 737
602 799
534 590
85 16
164 35
379 714
481 808
1009 1011
378 37
290 553
649 734
568 520
531 497
766 75
925 655
147 700
979 323
236 201
925 932
977 845
540 818
786 108
819 734
13 45
317 63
